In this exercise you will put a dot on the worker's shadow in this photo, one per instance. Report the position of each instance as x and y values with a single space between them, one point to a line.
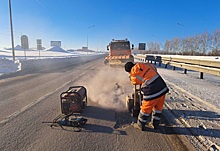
86 128
93 128
94 114
99 113
97 128
169 125
103 114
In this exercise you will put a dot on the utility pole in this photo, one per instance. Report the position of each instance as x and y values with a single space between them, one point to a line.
12 37
88 37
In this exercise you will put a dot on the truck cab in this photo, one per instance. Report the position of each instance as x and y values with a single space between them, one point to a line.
119 52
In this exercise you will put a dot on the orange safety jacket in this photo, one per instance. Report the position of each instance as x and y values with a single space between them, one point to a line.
152 84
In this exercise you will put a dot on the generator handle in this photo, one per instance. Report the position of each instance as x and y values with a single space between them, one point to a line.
73 92
76 87
69 92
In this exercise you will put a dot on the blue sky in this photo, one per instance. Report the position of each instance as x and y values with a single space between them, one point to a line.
70 21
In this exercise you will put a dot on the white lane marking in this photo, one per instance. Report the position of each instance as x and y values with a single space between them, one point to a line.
15 114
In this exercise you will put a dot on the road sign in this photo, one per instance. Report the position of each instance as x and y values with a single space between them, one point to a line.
39 44
142 46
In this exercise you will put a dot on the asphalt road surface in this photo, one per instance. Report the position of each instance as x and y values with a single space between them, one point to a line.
28 99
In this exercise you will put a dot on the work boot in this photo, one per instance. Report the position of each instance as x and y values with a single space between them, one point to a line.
156 124
150 125
139 126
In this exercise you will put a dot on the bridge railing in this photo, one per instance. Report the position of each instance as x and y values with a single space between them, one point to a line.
200 64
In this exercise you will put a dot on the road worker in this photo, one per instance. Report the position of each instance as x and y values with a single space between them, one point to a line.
154 90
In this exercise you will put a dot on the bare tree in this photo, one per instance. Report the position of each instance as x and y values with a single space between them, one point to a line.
184 46
154 47
190 45
167 46
157 46
195 44
204 42
181 45
175 44
150 46
216 40
187 45
172 47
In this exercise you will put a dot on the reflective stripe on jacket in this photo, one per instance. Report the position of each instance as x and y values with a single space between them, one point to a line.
153 86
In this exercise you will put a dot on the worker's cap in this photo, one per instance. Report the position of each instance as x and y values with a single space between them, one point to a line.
128 66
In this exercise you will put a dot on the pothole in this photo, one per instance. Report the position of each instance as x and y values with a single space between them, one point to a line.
123 117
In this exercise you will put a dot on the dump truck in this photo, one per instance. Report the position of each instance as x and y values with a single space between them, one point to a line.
119 52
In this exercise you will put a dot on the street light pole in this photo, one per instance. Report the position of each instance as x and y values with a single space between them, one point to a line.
12 37
88 37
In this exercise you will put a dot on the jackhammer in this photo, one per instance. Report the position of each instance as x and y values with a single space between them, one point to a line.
133 102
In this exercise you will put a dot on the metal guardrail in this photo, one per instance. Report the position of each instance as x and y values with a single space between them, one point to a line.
196 64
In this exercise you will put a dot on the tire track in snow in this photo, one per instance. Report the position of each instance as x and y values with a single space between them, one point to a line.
192 96
210 145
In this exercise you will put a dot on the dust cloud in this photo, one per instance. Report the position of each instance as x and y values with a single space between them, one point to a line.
107 88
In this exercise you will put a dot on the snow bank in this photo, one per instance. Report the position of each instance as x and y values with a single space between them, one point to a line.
39 59
56 49
8 66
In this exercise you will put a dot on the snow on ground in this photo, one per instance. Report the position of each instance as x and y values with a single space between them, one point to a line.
7 65
56 49
195 103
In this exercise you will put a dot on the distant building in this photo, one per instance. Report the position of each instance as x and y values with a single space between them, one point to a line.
24 42
84 48
55 43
